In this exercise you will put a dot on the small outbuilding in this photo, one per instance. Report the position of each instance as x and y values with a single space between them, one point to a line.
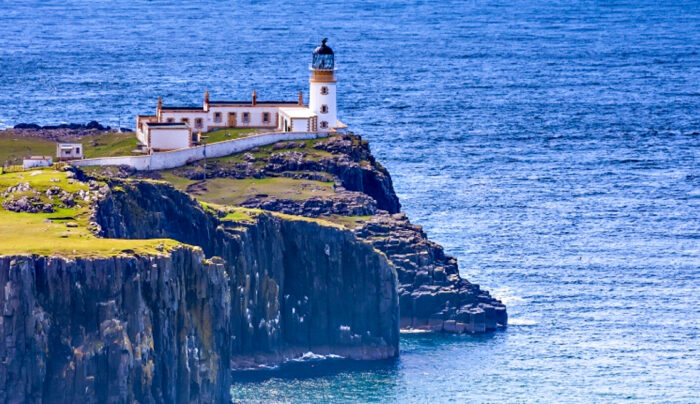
298 120
69 151
37 161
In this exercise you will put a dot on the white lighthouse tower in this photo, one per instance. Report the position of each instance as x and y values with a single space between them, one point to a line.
322 99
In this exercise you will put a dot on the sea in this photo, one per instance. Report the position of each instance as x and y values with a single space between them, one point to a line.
552 146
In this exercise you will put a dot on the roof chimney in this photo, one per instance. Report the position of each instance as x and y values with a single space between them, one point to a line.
301 98
255 98
206 100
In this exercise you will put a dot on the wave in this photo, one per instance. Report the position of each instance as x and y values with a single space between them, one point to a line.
521 321
310 356
507 296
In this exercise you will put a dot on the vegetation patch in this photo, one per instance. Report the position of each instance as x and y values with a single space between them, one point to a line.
350 222
221 135
109 144
66 230
228 191
13 148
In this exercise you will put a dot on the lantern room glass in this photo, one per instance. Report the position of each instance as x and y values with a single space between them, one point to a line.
323 61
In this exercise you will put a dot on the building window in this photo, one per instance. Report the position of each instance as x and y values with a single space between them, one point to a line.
186 121
217 116
324 109
324 90
246 117
77 150
171 120
198 122
324 124
266 117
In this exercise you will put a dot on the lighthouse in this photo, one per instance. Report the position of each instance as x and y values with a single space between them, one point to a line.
322 94
177 127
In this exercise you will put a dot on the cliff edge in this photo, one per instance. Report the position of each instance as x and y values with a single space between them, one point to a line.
162 321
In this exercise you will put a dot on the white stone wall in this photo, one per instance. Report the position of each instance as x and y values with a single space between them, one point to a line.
316 100
177 158
169 138
30 163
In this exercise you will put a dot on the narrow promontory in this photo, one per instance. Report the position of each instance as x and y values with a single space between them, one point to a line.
125 286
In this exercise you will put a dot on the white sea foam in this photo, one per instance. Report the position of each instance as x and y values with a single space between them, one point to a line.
507 296
413 331
311 356
521 321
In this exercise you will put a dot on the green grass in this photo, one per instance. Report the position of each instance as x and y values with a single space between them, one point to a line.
41 179
349 222
219 135
240 214
109 144
14 148
180 183
50 234
227 191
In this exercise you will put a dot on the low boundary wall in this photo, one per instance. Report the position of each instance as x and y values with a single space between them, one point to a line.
180 157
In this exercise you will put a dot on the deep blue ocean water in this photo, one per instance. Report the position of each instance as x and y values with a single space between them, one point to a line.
552 146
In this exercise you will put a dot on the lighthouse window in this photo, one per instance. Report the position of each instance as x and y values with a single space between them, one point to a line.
171 120
324 124
198 123
246 117
186 121
217 117
266 117
324 109
324 90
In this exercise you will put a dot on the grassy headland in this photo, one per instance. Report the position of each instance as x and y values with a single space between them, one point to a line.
65 231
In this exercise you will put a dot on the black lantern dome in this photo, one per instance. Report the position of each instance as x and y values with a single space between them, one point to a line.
323 57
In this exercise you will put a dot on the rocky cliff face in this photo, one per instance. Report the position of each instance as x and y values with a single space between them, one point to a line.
433 295
168 328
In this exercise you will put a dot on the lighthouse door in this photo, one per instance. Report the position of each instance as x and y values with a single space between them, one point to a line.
232 120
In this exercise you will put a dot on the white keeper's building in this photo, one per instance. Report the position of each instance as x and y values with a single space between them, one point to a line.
180 127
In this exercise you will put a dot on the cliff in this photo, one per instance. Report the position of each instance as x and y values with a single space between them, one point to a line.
168 327
433 295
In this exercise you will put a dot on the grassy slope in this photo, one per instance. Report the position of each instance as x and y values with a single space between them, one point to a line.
13 148
227 191
224 193
49 234
219 135
109 144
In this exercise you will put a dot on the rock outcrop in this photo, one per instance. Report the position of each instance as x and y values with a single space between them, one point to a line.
168 328
433 296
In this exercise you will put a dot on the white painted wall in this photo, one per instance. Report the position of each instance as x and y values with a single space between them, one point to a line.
316 99
208 122
191 115
30 163
300 125
255 113
177 158
169 138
